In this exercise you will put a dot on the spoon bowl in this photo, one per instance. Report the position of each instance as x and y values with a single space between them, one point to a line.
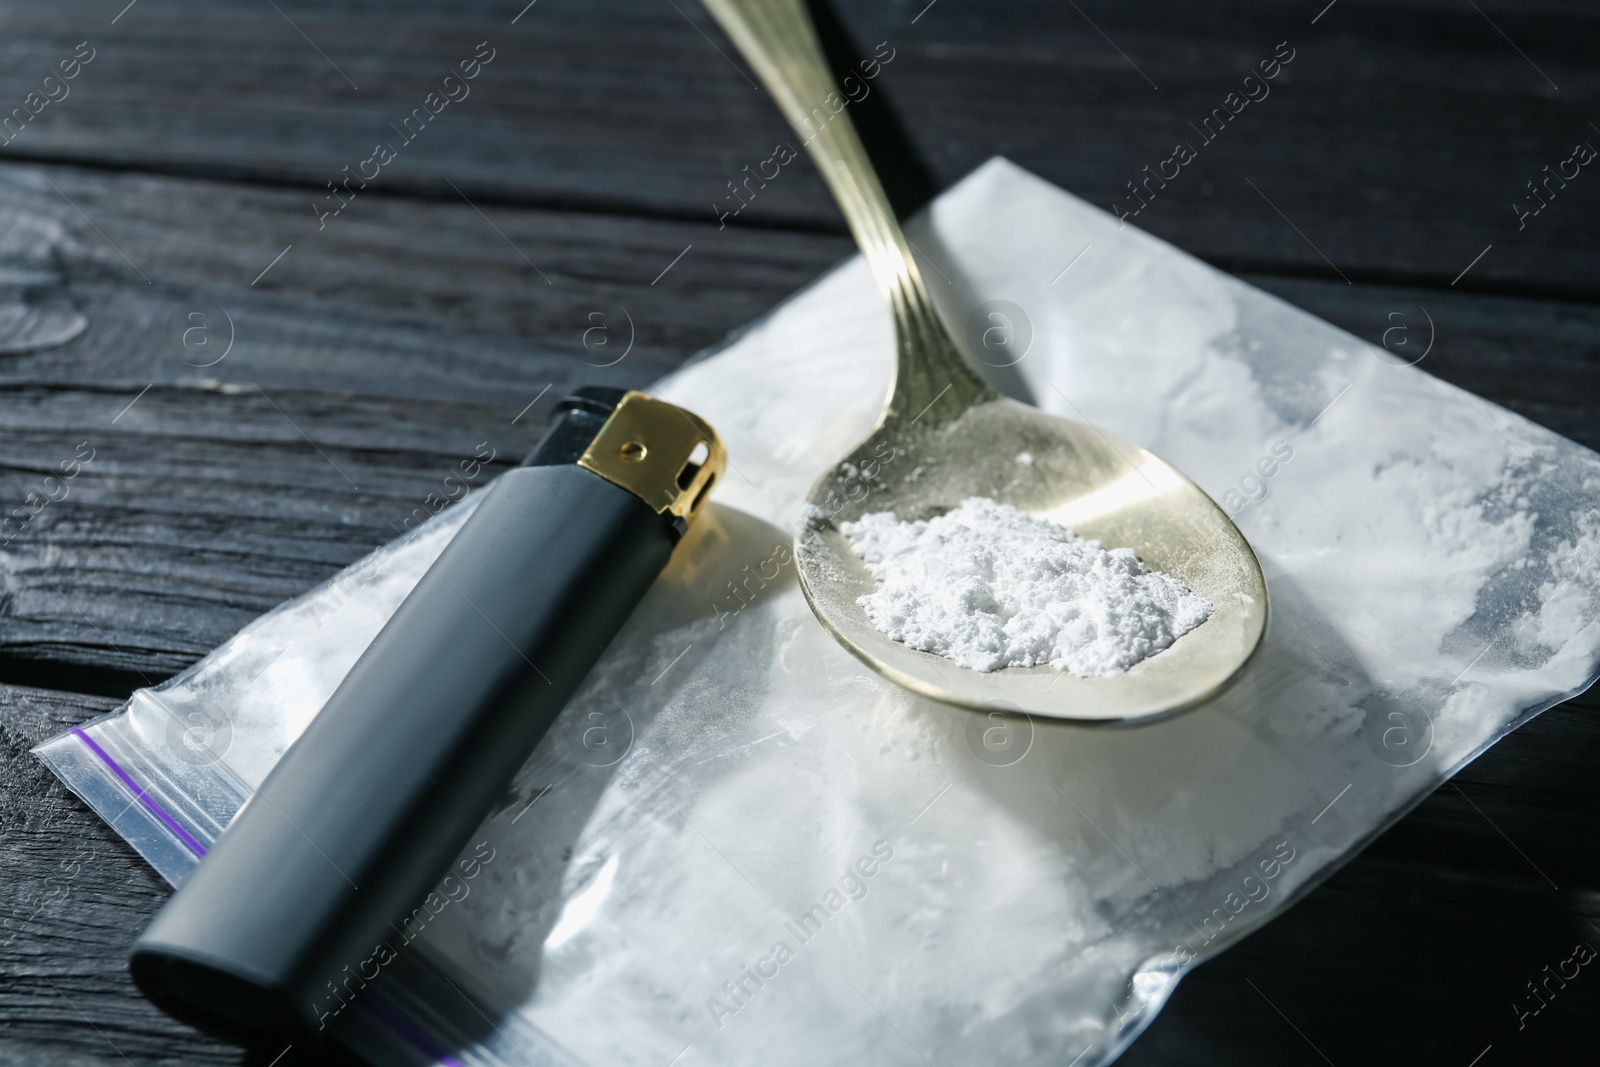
1096 484
945 436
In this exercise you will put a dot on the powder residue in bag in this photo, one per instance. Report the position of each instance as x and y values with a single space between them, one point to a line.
989 586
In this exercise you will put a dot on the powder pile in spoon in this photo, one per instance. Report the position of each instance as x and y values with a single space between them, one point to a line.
989 586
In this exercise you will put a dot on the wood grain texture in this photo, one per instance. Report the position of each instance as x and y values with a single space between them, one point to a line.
367 364
1415 951
1396 140
1540 358
1426 937
385 346
364 369
74 899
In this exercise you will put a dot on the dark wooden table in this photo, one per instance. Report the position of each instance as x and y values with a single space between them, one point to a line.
181 169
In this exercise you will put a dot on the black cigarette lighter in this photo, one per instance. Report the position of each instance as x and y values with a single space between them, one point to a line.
366 811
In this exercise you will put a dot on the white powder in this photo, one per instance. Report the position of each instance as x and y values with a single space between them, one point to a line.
989 586
1400 502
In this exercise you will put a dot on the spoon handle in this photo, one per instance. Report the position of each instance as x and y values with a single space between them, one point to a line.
777 38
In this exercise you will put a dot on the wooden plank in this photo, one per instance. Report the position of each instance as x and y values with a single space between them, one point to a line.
1416 951
75 898
408 330
369 363
1391 148
1536 357
1427 936
364 369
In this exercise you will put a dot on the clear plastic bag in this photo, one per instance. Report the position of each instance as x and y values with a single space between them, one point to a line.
739 845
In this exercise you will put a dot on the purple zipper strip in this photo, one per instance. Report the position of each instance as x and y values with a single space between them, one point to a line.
391 1018
399 1024
143 797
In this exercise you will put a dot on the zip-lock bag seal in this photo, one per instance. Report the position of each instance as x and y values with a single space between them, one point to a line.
736 844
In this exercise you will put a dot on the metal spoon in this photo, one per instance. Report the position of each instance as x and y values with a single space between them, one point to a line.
945 435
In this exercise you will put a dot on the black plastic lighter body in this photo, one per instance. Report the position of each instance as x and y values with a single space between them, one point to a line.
368 808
